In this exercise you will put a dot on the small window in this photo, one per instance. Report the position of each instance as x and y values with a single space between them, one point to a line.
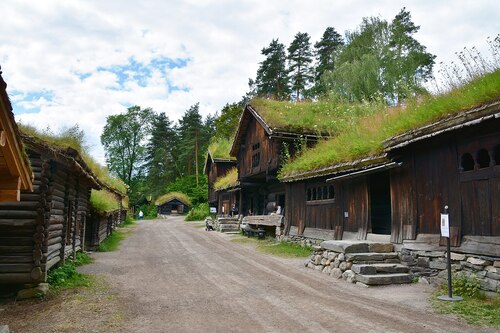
314 194
467 162
255 160
320 193
325 193
483 158
496 152
309 194
331 192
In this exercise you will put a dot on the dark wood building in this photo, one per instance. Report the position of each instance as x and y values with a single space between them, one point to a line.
399 195
173 203
259 146
46 225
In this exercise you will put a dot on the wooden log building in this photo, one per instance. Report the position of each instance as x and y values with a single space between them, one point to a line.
173 203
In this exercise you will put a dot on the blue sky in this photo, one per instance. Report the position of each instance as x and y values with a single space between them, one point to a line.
68 62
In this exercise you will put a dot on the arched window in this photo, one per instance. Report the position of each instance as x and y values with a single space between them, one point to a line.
331 192
466 162
496 153
483 158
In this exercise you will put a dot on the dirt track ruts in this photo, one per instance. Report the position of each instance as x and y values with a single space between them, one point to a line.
178 278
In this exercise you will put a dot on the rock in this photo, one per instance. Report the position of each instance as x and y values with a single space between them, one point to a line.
349 276
489 284
325 254
380 247
328 262
316 248
310 265
4 329
493 276
306 263
457 256
317 260
496 263
423 280
327 270
345 246
423 262
318 268
341 257
432 254
408 259
336 263
343 266
437 264
364 269
38 292
332 256
323 261
336 273
479 262
481 274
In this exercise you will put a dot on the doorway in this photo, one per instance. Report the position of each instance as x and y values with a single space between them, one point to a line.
380 203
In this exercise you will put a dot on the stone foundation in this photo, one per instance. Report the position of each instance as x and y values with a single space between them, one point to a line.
431 265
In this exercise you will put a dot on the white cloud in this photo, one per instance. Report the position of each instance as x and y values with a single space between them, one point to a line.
66 52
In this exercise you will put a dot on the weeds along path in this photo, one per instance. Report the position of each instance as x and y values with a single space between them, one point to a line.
174 277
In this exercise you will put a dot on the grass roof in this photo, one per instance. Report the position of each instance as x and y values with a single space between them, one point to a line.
365 136
323 117
230 179
173 195
64 141
220 148
104 201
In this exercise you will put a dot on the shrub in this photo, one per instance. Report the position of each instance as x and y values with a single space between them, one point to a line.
198 212
66 276
466 286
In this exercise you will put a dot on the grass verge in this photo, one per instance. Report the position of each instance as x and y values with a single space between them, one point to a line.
65 276
113 241
279 249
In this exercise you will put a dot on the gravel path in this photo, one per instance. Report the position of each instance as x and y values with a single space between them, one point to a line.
178 278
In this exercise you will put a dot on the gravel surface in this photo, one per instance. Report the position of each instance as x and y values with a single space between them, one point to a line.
174 277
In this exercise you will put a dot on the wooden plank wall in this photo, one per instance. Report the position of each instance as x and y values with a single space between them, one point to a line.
255 133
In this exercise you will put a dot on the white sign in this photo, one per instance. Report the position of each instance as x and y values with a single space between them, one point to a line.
213 210
445 225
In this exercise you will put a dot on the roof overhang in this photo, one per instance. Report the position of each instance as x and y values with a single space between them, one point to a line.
366 171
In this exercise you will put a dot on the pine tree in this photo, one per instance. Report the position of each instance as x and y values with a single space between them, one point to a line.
272 78
327 49
299 63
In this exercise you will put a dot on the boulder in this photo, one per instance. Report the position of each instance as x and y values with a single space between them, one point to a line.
457 256
345 246
4 329
478 262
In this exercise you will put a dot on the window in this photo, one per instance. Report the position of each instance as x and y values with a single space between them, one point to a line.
466 162
314 194
483 158
256 155
496 153
320 193
331 192
309 197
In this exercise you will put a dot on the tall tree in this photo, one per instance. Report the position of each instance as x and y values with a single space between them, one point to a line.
160 163
272 78
299 63
123 139
227 122
327 50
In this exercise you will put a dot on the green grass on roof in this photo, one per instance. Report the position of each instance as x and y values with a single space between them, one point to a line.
104 201
220 148
230 179
323 117
367 135
173 195
64 141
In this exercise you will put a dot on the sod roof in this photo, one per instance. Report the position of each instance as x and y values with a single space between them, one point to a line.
171 196
369 138
229 180
218 151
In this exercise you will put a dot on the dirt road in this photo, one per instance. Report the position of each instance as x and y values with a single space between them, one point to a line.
178 278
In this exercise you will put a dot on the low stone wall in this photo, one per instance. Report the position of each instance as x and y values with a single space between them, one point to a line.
431 266
332 263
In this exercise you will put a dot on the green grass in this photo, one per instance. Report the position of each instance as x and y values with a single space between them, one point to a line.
198 213
113 241
173 195
104 201
228 180
279 249
129 221
65 276
365 135
220 148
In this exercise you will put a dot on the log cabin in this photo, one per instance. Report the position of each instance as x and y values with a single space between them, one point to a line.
15 171
396 193
46 225
217 164
264 139
228 192
173 203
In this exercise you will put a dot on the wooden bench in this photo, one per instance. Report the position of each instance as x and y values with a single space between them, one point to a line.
255 224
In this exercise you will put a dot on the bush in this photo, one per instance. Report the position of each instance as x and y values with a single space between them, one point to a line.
199 212
466 286
66 276
150 211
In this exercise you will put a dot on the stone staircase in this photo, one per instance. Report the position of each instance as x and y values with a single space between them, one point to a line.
228 224
372 263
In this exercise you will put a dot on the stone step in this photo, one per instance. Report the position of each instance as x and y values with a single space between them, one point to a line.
370 256
379 268
352 246
228 227
381 279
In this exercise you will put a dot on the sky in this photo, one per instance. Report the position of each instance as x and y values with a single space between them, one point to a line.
79 61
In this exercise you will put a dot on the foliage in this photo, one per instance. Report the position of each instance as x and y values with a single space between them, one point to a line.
364 136
129 221
272 76
299 64
198 212
159 155
113 241
220 148
103 201
173 195
66 276
230 179
227 122
187 185
279 249
123 140
466 286
150 210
